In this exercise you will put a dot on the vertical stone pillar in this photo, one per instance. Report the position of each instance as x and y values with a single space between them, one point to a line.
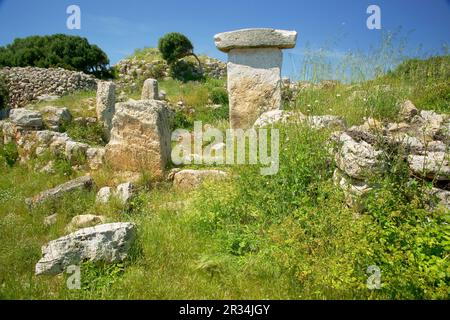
150 90
254 71
106 99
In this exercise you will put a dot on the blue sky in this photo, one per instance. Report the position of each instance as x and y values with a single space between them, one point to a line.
119 27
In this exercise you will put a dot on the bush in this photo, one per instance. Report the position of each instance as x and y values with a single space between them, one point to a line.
219 96
3 94
174 46
59 50
185 71
9 153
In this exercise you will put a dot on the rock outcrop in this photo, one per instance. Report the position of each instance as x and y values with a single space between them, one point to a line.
109 243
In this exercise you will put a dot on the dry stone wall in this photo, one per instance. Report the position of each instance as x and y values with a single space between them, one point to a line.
29 84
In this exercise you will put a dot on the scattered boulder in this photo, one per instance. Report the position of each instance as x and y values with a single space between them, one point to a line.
75 150
328 122
50 220
73 185
354 190
356 159
104 195
190 179
272 117
55 117
407 111
109 243
140 137
125 192
443 197
26 119
84 221
434 165
95 157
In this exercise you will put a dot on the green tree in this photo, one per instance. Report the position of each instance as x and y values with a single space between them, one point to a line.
175 46
58 50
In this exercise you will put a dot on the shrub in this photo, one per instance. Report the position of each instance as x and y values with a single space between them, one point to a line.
9 153
59 50
175 46
219 96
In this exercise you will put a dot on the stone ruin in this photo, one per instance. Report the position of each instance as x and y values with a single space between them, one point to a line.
254 71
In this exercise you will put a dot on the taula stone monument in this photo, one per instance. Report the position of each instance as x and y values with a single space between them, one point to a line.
254 71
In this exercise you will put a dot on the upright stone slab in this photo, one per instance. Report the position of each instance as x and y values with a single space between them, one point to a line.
140 137
254 71
106 99
150 90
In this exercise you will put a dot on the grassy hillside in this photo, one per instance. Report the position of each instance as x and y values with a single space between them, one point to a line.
289 236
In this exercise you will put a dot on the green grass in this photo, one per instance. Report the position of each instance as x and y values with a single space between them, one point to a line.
288 236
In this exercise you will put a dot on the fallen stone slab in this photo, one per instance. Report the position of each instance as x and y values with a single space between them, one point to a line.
109 243
190 179
73 185
26 119
255 38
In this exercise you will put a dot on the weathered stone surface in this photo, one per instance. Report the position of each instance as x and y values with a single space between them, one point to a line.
443 197
150 90
26 119
434 165
140 137
108 242
28 84
255 38
125 192
55 117
327 122
50 220
105 108
356 159
104 195
73 185
95 157
190 179
84 221
273 117
254 84
75 150
354 190
407 111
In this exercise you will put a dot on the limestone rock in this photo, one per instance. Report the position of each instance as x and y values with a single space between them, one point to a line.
443 197
84 221
106 99
407 111
273 117
125 192
150 90
104 195
254 84
26 119
75 150
328 122
50 220
434 165
55 117
95 157
109 243
354 190
356 159
73 185
255 38
189 179
140 137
